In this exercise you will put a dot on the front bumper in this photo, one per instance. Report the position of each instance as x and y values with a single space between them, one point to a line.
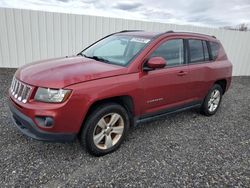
29 128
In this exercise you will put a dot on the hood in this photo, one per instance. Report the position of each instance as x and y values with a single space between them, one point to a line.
61 72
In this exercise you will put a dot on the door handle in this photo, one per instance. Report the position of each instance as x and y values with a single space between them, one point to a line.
182 73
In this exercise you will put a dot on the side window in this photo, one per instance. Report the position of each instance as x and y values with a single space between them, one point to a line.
172 51
196 51
214 49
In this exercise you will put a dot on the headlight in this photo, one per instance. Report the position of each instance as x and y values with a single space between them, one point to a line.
52 95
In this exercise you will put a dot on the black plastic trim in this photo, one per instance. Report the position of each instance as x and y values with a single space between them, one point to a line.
186 51
29 128
209 51
125 31
166 112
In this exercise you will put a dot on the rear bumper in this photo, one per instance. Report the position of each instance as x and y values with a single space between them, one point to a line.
29 128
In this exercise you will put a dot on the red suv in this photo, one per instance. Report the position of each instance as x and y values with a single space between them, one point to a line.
124 78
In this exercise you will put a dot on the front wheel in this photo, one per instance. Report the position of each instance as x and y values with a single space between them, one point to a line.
212 101
105 129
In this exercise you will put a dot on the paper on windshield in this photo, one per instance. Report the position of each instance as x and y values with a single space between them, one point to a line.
141 40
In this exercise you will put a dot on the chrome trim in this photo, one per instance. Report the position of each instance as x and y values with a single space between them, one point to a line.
20 91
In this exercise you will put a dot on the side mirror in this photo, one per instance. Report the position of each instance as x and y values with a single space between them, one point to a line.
154 63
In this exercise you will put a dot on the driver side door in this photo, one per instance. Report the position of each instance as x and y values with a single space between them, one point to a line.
166 88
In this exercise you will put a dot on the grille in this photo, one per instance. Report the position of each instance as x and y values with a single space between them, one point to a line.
20 91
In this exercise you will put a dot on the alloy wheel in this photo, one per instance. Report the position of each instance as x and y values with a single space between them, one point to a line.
108 131
214 100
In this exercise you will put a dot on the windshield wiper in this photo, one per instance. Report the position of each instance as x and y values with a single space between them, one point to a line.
100 59
97 58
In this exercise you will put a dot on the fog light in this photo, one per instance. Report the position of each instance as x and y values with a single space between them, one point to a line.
44 121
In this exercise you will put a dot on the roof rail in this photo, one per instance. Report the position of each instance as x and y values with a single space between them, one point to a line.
170 31
189 32
160 34
128 31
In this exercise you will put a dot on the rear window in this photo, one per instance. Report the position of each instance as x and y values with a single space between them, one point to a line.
214 49
198 51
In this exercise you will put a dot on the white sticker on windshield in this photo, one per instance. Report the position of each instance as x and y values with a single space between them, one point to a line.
141 40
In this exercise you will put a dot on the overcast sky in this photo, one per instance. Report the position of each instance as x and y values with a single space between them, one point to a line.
215 13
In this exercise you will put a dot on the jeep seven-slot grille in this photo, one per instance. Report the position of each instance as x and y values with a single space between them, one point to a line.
20 91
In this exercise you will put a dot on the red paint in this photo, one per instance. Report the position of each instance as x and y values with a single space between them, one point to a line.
92 81
156 62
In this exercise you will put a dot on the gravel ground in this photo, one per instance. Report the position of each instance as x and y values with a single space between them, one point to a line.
186 149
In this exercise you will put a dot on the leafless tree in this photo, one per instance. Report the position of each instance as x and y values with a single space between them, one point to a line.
243 27
240 27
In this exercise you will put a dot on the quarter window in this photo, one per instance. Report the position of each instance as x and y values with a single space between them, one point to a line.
172 51
214 49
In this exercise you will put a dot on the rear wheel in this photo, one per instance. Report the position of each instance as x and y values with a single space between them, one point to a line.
105 129
212 101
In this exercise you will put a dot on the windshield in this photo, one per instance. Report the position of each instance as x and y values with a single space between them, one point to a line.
116 49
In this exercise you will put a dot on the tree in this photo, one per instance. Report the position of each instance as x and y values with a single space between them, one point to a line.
243 27
240 27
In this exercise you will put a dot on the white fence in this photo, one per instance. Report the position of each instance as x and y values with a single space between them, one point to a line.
27 36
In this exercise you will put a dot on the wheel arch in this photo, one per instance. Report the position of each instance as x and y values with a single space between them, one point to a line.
125 101
222 83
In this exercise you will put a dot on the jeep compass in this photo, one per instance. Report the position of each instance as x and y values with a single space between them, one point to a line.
122 79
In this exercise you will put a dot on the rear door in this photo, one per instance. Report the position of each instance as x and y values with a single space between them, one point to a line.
199 68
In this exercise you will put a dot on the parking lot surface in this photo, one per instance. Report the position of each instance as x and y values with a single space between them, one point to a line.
185 149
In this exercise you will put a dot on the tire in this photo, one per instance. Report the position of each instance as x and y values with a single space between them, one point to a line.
211 104
105 129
